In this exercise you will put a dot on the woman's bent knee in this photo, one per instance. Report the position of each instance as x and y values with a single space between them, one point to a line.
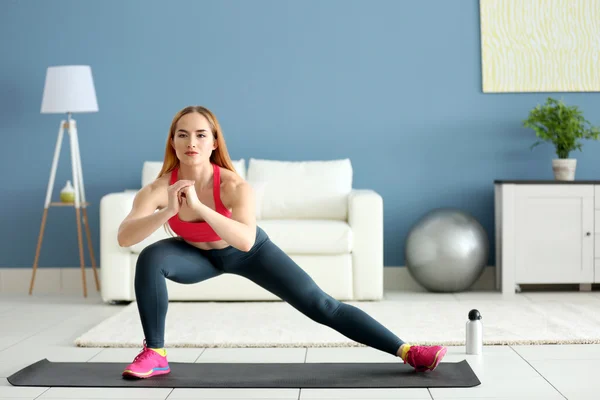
151 256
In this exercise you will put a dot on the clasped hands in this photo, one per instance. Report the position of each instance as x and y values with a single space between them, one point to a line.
188 194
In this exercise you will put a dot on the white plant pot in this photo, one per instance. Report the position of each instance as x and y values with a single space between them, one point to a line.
564 168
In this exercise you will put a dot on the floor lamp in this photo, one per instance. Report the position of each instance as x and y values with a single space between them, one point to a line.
69 89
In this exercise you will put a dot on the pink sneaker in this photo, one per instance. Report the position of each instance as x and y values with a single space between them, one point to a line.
424 358
146 364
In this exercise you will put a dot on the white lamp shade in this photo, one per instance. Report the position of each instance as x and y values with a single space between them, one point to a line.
69 88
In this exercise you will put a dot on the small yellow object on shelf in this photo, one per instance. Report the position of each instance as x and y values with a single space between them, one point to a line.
67 194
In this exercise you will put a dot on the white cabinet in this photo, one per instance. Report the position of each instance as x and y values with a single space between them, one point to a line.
545 232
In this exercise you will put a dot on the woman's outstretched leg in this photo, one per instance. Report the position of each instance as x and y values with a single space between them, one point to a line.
269 267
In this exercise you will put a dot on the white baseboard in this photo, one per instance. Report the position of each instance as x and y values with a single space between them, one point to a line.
47 280
399 279
69 280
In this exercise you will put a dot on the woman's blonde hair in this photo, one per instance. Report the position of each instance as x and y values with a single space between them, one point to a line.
219 156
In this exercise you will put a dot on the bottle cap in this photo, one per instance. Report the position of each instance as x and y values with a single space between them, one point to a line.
474 314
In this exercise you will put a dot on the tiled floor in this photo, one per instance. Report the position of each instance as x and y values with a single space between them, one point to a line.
36 327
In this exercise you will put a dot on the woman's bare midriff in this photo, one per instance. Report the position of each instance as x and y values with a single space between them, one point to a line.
206 197
220 244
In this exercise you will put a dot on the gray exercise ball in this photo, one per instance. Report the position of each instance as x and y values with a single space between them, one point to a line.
446 250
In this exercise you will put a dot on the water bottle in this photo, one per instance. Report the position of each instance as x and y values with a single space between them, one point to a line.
474 333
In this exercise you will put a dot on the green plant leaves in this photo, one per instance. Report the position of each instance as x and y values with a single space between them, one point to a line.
563 126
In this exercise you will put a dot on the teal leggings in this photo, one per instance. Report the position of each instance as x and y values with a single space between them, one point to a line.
266 265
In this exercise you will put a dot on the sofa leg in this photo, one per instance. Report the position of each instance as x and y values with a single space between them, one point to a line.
119 302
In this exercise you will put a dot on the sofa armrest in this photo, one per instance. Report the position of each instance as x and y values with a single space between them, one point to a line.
365 217
115 268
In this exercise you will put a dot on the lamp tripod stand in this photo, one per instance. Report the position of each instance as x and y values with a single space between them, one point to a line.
80 202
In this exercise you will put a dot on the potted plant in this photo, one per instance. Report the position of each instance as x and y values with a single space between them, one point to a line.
564 126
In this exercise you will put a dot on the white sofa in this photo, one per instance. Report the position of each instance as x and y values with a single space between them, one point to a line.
308 208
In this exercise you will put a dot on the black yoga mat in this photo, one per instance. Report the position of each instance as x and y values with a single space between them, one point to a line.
248 375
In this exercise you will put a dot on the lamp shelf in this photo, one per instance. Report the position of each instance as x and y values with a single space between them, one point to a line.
68 204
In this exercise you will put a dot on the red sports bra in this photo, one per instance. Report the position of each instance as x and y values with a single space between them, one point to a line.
200 231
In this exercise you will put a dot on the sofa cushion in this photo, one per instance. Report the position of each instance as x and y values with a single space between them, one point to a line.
309 236
292 236
302 189
151 169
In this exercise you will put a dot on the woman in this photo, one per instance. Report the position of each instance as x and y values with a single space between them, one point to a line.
211 209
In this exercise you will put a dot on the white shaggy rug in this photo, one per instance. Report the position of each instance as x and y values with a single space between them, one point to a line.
417 318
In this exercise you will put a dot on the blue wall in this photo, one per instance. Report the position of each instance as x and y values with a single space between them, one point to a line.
393 85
